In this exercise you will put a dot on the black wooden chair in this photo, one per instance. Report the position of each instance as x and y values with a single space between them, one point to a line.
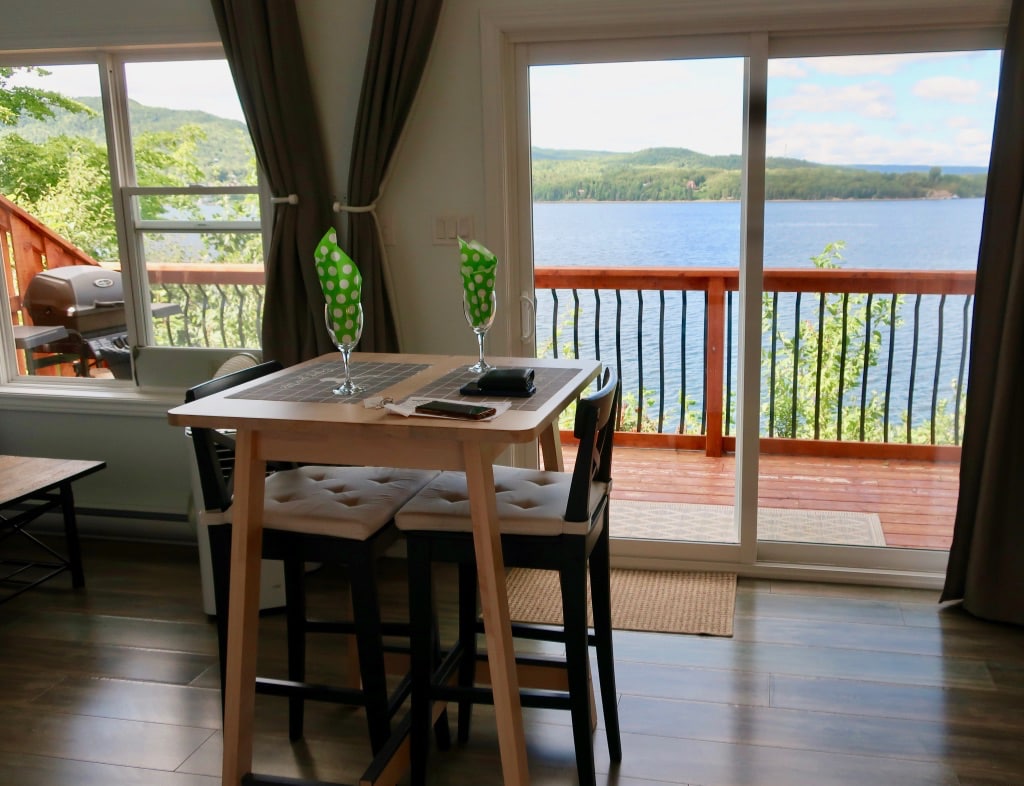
332 515
550 521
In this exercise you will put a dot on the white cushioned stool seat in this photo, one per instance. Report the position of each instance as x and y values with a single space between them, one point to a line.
530 502
340 502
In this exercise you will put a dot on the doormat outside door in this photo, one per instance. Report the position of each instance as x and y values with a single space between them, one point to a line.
714 524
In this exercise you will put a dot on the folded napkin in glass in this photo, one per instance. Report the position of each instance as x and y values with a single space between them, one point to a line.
502 382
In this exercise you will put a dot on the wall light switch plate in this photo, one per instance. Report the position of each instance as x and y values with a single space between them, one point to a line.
448 229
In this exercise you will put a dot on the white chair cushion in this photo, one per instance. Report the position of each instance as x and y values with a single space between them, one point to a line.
341 502
530 502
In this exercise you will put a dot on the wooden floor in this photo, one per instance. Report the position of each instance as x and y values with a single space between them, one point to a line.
915 501
821 685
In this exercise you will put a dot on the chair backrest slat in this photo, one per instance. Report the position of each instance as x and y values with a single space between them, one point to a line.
596 416
215 451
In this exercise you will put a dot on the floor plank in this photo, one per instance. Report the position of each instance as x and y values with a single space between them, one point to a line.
821 684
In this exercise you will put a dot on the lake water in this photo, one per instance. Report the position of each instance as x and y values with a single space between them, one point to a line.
910 234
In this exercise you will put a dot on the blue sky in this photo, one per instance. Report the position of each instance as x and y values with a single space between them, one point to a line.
925 109
195 84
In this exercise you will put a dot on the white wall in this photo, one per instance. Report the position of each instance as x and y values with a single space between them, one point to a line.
47 24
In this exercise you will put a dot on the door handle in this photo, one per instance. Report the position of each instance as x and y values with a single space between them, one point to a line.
528 313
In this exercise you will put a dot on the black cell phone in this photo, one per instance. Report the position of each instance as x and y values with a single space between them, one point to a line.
455 410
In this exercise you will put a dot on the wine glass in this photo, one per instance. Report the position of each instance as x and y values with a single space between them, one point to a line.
479 308
345 326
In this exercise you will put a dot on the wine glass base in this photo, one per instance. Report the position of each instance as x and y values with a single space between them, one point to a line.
480 367
347 389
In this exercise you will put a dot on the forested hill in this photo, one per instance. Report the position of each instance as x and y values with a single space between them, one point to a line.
223 151
678 174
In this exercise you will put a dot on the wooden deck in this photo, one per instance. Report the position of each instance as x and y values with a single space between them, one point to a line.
915 501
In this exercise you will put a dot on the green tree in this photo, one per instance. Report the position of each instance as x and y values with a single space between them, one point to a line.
17 102
64 180
845 341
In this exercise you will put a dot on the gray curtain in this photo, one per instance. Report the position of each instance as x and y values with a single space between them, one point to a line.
403 31
263 45
986 560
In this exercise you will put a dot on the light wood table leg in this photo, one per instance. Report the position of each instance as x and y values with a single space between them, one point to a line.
551 448
497 626
243 609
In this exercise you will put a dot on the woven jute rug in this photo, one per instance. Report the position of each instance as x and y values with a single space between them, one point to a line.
648 600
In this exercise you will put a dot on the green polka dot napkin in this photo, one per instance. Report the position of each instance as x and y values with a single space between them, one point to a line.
341 283
478 266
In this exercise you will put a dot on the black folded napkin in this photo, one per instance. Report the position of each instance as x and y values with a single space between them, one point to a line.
502 382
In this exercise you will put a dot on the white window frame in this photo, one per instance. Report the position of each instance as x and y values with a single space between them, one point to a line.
125 191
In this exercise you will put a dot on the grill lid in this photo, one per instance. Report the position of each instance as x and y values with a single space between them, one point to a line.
82 297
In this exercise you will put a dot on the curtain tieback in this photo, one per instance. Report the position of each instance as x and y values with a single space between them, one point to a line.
338 207
291 199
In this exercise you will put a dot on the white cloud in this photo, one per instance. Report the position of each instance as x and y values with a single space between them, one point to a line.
951 89
839 143
870 99
786 69
959 121
870 65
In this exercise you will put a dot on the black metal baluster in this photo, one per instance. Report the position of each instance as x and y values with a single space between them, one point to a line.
618 332
842 368
796 363
554 323
704 390
913 370
186 305
661 361
597 324
222 311
683 409
817 373
888 371
867 360
205 321
639 359
576 323
774 364
240 291
728 361
964 343
938 363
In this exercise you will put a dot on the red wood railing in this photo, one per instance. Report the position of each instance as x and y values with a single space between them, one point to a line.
716 282
28 247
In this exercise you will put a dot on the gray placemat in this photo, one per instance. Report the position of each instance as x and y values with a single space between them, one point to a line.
314 384
547 380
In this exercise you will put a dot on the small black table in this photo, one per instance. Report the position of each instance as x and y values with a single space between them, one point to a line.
30 487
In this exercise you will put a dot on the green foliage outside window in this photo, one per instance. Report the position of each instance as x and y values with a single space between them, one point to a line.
63 179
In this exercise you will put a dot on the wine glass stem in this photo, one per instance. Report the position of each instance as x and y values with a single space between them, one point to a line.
480 343
344 360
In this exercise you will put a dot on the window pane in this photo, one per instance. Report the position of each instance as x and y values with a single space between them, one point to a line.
637 164
199 207
187 125
215 279
875 163
54 169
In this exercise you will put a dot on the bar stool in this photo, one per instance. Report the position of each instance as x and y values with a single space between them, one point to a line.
549 521
335 515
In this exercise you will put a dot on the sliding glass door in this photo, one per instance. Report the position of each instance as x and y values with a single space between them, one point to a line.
727 219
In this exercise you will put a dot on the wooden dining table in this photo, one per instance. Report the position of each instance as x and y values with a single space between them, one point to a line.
293 416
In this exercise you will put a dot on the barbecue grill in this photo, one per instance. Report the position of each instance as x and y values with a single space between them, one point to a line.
88 301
